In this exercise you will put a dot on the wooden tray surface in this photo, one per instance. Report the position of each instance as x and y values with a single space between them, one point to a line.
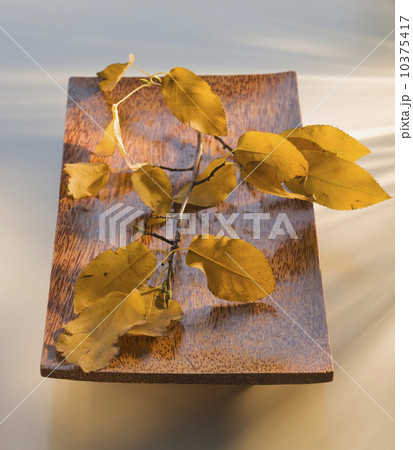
217 342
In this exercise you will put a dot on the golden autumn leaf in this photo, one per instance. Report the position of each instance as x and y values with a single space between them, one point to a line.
213 191
264 178
111 138
113 73
159 317
154 188
340 184
86 179
297 186
191 100
235 269
155 219
91 339
122 270
329 138
274 150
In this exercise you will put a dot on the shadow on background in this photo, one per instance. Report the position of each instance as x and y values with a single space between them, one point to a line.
150 417
146 416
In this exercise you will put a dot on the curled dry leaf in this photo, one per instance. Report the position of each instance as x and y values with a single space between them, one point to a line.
159 317
274 150
113 73
154 188
329 138
340 184
191 100
118 136
86 179
91 339
213 191
235 269
111 138
110 271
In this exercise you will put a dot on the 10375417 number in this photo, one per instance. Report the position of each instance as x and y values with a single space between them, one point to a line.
404 51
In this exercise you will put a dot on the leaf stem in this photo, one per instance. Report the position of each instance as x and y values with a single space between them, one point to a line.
161 250
155 75
173 251
160 276
231 151
136 67
131 93
149 290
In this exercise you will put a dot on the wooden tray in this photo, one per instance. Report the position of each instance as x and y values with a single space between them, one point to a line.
217 342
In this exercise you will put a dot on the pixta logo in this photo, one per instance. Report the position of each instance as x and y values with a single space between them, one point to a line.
115 224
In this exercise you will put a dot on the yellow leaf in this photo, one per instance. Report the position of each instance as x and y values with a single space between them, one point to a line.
274 150
235 269
113 74
91 339
296 185
122 270
326 137
86 179
107 145
191 100
159 317
264 178
154 220
213 191
154 188
340 184
112 136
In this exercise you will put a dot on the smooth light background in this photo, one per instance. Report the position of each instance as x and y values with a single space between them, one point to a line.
323 41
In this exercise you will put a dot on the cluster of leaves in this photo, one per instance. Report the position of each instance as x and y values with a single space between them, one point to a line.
112 299
113 296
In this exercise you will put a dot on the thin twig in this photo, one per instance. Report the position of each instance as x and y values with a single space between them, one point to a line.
171 169
155 235
211 174
177 239
223 143
194 175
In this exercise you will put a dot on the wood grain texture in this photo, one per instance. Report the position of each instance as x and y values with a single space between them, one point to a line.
274 341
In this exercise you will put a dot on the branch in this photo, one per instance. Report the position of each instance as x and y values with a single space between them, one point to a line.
194 175
174 246
211 174
223 143
171 169
155 235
